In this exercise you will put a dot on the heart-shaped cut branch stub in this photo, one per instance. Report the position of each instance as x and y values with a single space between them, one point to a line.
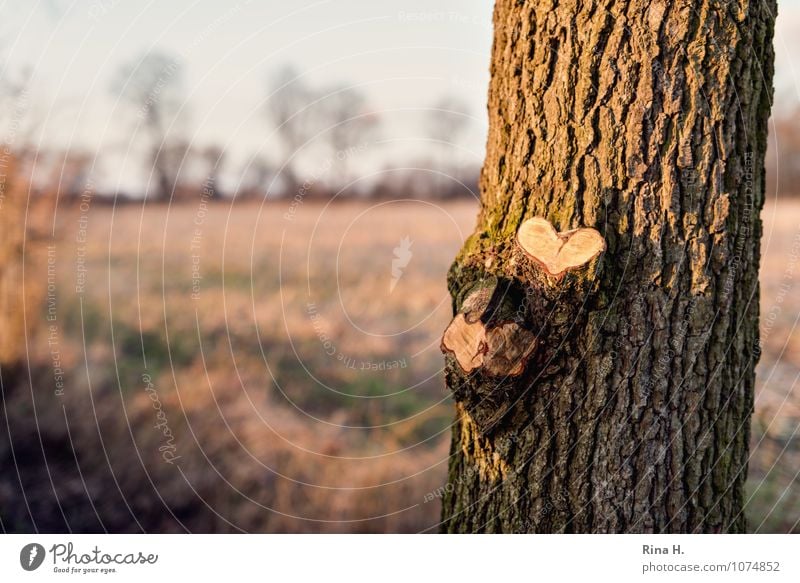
559 252
500 350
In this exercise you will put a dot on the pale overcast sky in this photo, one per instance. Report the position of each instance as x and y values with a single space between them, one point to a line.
405 54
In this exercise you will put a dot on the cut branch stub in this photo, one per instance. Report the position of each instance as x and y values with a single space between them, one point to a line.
478 301
499 350
508 347
482 336
557 252
466 341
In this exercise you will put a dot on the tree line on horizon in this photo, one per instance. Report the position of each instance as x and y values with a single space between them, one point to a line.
321 128
334 121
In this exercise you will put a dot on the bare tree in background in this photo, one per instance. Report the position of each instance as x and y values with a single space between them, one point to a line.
446 120
214 158
17 122
153 85
289 108
254 177
445 123
783 153
351 125
67 172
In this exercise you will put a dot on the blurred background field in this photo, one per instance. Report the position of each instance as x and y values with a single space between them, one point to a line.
774 477
286 417
274 431
222 274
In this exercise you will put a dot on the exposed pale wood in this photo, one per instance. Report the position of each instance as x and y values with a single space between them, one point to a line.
466 342
486 335
501 350
559 252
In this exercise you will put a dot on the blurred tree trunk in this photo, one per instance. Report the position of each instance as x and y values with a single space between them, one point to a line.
647 121
13 194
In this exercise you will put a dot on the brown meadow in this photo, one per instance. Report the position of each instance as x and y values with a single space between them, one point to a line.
231 367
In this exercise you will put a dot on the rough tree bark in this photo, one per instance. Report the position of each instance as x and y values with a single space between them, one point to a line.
646 121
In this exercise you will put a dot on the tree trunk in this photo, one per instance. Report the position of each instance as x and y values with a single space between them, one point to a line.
647 121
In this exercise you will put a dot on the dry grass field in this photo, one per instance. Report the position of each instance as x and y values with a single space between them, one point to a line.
277 369
774 478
